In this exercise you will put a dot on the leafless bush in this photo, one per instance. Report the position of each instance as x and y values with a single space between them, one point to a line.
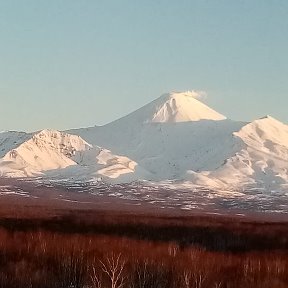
194 280
113 267
152 275
71 269
96 279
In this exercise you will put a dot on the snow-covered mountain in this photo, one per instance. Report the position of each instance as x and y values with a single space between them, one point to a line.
175 137
59 154
263 161
172 108
31 154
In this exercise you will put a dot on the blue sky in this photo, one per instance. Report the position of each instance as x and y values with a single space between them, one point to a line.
76 63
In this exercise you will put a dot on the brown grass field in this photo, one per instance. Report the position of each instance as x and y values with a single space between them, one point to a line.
45 242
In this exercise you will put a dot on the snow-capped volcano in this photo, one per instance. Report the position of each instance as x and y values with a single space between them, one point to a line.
180 107
175 137
172 108
168 109
178 137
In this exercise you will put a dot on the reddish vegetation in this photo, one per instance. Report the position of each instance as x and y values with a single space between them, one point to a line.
108 249
73 241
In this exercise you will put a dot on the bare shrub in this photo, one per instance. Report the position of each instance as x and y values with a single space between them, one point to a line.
152 275
70 270
113 267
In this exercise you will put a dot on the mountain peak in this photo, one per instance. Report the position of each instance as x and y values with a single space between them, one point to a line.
182 107
267 117
181 94
264 130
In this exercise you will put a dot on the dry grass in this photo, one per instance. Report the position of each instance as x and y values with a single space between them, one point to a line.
89 249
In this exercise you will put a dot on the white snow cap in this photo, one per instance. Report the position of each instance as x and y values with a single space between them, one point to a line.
183 107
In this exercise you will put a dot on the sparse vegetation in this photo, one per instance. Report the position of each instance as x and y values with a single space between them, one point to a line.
117 251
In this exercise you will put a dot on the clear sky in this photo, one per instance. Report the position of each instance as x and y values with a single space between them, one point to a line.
75 63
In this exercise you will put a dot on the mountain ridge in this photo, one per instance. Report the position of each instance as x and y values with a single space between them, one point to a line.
175 137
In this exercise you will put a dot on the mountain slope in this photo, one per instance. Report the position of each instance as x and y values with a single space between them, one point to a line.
175 137
98 164
168 150
173 108
264 161
11 139
180 144
169 108
167 142
50 152
41 151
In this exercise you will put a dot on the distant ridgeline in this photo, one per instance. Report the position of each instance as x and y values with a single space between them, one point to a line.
175 137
